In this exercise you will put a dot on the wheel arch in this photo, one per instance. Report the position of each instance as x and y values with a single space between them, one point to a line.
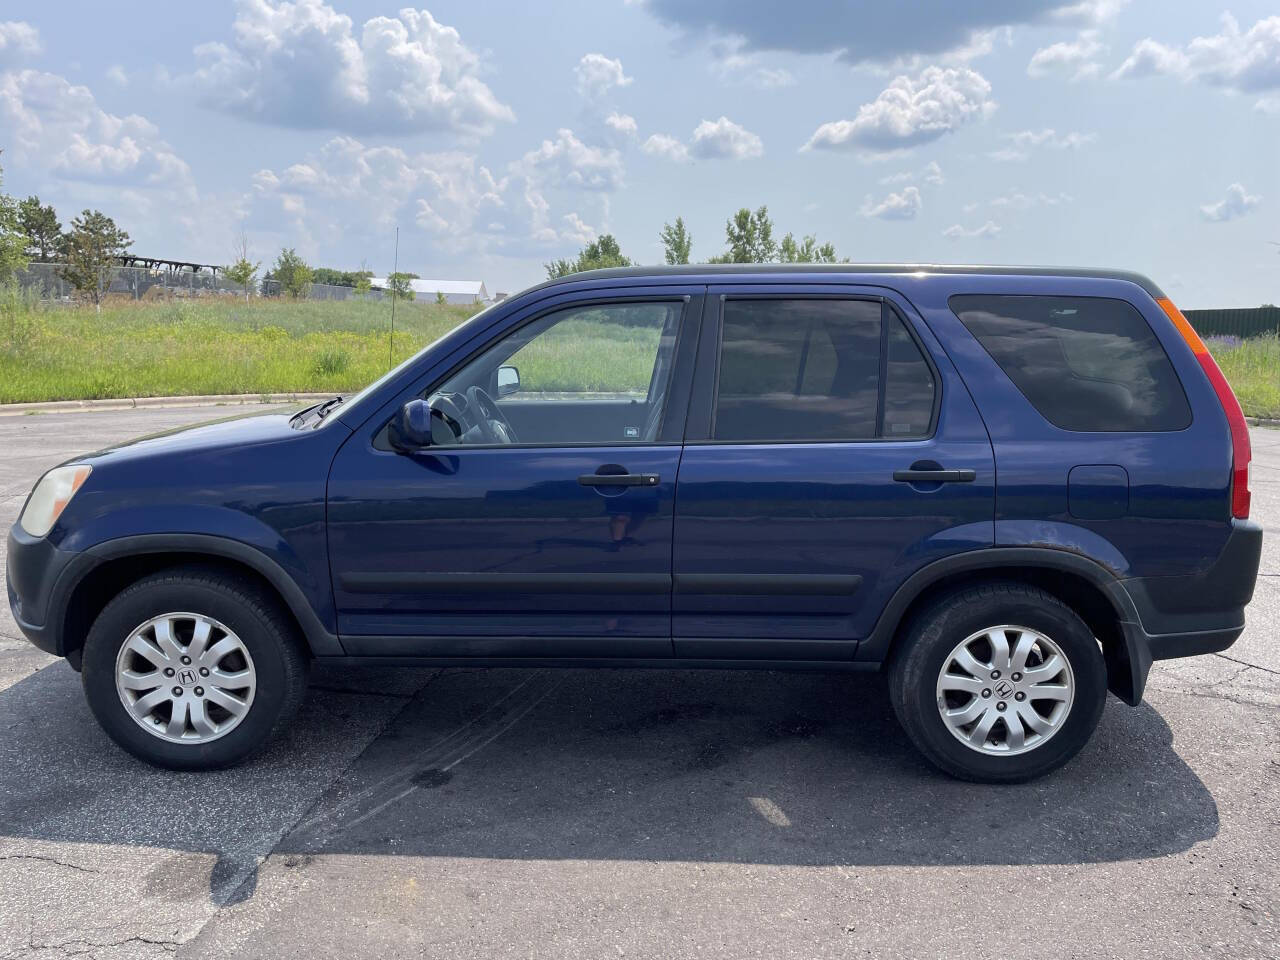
104 570
1082 584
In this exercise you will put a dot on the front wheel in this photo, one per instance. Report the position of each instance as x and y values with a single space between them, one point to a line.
192 669
998 683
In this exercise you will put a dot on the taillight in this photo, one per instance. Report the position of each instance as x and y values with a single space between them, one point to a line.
1241 452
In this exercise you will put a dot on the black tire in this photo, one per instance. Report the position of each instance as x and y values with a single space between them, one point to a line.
921 655
278 659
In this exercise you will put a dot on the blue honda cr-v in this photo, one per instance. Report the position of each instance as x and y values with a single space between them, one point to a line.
1008 489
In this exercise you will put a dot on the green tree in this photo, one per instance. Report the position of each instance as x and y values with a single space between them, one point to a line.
806 251
676 242
749 238
363 284
244 270
399 287
42 229
292 273
339 278
13 241
441 299
596 255
94 244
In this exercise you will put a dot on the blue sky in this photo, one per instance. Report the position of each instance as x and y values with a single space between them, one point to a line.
1127 133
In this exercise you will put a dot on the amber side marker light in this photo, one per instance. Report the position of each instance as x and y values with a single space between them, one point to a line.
1241 451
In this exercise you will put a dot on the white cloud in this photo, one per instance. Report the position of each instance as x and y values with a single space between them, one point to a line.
117 75
1268 105
712 140
1089 12
18 40
568 162
1077 58
1236 203
911 111
1024 141
931 175
1247 61
724 139
60 126
732 65
896 206
597 75
576 230
957 232
1048 137
1017 200
666 147
300 64
621 123
352 190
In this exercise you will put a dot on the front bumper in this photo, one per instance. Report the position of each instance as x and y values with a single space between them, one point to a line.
34 568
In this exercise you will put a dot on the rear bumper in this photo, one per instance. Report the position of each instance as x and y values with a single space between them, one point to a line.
1206 602
1191 615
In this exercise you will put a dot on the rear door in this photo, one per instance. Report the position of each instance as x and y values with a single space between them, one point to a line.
831 450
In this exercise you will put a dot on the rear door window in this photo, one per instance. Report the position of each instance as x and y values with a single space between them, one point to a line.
1086 363
820 369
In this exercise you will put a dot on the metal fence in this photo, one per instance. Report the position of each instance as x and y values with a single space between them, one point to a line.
1242 323
46 282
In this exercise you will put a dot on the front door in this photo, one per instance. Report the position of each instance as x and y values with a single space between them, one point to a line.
539 521
832 450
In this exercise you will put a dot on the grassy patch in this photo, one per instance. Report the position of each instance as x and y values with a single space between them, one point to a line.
1252 367
279 346
202 347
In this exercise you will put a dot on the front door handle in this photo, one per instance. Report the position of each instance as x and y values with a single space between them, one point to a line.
935 476
619 479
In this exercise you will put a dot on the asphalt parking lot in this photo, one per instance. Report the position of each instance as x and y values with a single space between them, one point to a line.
542 813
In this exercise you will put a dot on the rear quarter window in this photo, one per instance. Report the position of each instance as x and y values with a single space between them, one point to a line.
1085 363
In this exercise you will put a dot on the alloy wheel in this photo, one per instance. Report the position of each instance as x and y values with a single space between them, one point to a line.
185 678
1005 690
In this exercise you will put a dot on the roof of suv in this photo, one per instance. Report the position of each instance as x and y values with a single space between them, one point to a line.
860 269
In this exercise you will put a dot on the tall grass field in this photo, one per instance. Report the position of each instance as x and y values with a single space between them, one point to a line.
224 345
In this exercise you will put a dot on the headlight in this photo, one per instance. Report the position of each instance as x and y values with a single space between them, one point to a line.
51 496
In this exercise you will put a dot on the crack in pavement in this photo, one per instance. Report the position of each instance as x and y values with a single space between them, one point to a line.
1246 663
347 691
65 946
1204 695
42 859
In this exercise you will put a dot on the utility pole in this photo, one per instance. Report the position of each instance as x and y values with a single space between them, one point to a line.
395 270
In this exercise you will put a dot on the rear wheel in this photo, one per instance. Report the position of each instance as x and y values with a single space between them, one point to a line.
192 668
998 683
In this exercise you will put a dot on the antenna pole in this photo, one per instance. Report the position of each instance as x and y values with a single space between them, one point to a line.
395 270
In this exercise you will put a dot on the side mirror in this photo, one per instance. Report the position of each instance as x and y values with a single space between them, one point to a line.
508 381
410 429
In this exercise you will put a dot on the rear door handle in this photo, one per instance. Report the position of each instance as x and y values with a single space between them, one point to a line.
935 476
619 479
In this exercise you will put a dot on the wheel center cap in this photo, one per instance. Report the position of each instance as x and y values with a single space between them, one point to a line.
186 677
1003 689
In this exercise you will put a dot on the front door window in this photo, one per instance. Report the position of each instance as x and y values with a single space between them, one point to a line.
595 374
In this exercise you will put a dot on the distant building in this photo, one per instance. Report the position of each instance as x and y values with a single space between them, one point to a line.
455 291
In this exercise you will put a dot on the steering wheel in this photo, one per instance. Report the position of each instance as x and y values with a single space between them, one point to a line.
491 420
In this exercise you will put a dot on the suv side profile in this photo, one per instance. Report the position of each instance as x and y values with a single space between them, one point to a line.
1009 489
